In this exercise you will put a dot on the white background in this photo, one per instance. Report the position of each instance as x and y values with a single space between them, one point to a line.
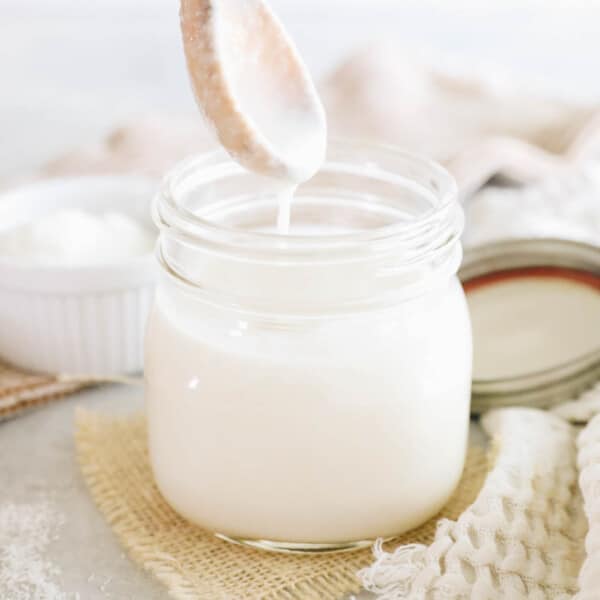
70 69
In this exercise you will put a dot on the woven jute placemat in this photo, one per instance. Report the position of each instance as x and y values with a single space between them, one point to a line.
192 563
21 391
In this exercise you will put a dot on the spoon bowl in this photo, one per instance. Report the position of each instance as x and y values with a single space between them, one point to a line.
253 87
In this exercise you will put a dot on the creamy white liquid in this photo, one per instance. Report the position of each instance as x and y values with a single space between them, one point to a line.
525 325
327 431
284 208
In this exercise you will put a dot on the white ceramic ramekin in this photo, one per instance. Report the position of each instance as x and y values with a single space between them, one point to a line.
76 320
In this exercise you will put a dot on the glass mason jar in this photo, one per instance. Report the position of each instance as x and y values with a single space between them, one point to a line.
309 391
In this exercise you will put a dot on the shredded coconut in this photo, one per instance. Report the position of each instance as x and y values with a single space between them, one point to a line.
77 237
26 530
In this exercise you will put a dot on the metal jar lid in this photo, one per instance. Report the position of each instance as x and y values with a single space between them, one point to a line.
550 386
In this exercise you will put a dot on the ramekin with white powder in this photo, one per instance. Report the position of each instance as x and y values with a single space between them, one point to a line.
76 274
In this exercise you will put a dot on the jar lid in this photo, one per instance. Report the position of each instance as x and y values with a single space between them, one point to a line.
535 311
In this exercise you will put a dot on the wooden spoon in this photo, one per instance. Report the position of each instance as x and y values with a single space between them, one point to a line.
253 87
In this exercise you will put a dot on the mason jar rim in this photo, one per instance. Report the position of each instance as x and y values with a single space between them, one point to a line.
176 220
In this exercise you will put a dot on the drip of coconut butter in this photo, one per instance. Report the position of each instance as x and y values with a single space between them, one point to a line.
256 93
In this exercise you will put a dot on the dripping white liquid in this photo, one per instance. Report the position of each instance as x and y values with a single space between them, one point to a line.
284 208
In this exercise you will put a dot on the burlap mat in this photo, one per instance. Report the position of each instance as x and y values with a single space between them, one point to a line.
20 391
191 562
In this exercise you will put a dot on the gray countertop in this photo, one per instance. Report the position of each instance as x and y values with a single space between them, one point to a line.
39 468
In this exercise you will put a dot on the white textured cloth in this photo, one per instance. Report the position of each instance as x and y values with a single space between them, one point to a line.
588 462
581 410
479 126
565 205
534 530
523 538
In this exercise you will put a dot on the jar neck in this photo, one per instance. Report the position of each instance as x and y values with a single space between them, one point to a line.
373 227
